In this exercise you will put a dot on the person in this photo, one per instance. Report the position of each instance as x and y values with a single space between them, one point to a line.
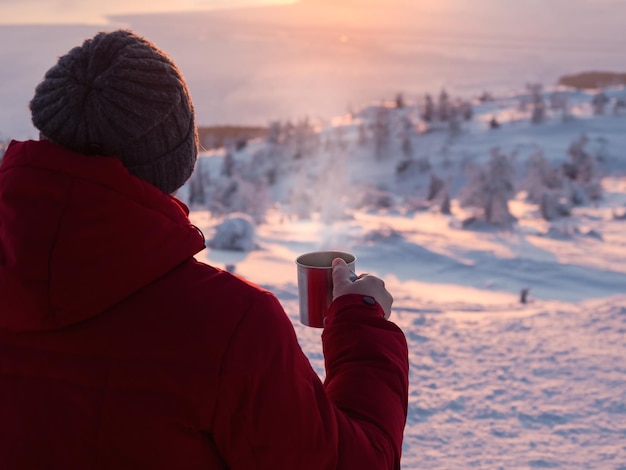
120 350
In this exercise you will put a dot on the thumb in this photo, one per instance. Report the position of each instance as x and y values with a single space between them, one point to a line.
341 276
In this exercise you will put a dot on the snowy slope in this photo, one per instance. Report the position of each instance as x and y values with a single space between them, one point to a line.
495 383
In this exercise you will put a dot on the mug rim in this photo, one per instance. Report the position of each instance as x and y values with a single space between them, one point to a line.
327 254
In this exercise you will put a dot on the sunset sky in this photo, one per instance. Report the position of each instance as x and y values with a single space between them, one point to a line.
522 18
78 11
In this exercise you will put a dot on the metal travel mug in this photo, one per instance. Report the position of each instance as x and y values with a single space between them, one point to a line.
315 284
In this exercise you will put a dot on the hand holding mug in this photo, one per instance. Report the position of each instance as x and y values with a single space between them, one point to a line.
366 285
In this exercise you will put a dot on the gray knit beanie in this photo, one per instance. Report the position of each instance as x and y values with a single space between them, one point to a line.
119 95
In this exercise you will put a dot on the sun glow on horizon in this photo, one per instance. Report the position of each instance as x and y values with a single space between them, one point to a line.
78 12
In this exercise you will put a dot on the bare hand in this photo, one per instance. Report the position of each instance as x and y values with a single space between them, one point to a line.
366 285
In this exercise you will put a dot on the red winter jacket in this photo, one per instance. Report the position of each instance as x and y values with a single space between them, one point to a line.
118 350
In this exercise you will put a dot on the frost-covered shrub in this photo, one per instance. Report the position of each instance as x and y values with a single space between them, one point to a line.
454 124
490 188
552 205
582 164
196 192
558 188
541 177
306 140
599 102
559 102
381 133
538 105
619 106
274 132
264 166
400 101
228 164
443 106
428 109
582 171
235 233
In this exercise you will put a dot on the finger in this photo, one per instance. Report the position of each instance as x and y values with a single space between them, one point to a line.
341 273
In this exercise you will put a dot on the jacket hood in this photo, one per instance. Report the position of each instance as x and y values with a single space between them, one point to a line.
79 234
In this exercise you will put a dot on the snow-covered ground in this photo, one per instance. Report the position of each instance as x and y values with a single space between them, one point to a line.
495 383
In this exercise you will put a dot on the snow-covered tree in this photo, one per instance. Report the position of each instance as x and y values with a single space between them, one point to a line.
541 177
599 102
399 101
559 102
454 121
407 146
363 137
264 166
553 205
582 164
466 110
538 105
381 133
443 106
557 188
493 123
197 193
619 106
490 188
274 132
228 164
428 112
305 139
582 171
197 186
229 195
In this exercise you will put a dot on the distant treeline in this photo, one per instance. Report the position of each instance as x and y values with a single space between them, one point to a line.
593 80
212 137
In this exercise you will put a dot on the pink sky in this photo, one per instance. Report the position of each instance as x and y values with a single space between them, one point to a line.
522 18
78 11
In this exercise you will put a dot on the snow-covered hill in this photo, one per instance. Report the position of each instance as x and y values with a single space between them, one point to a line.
495 382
